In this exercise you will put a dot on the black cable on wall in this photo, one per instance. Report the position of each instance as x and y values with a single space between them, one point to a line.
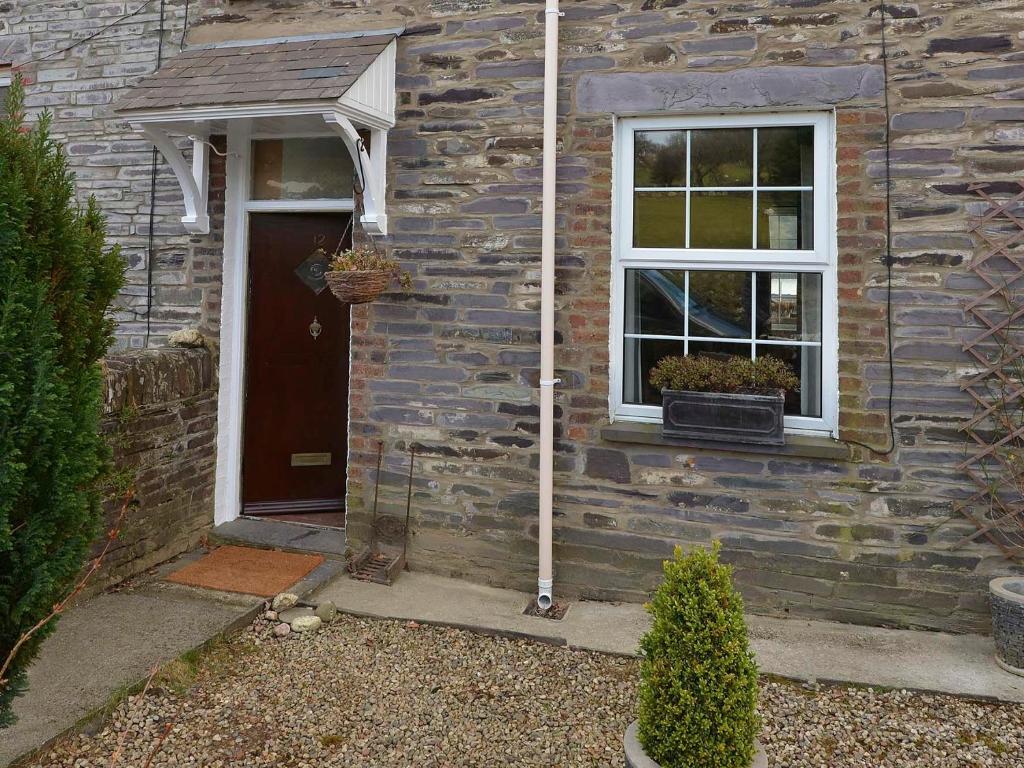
888 245
154 164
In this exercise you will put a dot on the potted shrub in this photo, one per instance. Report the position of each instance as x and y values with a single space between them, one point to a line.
698 678
736 400
359 275
1007 597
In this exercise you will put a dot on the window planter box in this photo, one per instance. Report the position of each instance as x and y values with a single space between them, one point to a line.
723 418
1007 595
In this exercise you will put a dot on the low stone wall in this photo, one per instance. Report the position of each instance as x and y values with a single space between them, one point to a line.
161 418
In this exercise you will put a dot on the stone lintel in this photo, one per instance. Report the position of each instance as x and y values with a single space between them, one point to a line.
632 93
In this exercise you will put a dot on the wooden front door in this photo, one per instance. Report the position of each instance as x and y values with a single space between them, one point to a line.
297 344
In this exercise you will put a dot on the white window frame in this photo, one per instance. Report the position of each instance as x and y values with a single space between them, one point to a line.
821 258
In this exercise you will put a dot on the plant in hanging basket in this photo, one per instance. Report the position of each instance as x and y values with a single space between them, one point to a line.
360 275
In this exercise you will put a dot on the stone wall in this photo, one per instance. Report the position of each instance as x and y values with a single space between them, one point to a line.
160 416
452 367
80 87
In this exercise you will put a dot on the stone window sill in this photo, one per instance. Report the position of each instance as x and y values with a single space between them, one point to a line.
798 446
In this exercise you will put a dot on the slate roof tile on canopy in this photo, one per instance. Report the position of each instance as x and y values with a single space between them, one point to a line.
237 74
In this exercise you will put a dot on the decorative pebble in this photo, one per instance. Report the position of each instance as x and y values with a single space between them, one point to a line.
387 694
282 630
283 601
292 614
327 611
306 623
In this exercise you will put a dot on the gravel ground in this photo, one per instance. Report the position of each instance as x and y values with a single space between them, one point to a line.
379 693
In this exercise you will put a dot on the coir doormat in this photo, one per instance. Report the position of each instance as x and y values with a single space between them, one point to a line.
260 572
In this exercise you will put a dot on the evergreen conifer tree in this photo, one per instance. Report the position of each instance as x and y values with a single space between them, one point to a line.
57 282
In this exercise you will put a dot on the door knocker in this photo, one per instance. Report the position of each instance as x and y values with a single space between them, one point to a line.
315 329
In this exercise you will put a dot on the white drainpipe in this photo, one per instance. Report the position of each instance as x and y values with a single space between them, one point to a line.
545 577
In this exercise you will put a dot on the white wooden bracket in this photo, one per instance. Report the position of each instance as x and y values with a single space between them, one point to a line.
370 166
194 180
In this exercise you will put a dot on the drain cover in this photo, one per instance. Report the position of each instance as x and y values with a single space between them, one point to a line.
556 612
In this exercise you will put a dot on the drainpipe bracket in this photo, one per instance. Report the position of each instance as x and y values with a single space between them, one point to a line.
550 382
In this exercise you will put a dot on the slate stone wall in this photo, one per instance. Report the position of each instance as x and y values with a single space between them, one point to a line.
451 368
80 87
160 416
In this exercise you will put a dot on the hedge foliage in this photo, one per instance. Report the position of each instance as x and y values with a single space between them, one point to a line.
57 282
698 687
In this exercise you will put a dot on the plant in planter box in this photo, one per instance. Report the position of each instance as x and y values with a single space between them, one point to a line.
698 678
360 275
736 400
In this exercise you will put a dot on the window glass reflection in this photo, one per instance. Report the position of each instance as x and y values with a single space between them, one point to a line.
639 356
659 159
656 301
789 306
722 220
722 157
659 219
301 169
785 156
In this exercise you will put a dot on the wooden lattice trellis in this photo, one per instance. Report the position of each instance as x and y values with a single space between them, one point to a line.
995 460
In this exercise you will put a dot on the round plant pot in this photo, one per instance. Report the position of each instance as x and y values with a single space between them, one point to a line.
1007 596
357 287
637 758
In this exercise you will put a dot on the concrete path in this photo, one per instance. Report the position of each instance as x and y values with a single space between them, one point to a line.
793 648
113 641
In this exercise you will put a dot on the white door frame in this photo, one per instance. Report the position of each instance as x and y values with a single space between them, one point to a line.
227 503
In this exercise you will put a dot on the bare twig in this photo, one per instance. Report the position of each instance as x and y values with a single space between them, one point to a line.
62 606
159 743
116 754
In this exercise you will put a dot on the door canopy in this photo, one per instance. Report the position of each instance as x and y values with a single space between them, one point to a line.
340 83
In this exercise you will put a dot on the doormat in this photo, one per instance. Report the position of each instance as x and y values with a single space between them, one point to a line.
262 572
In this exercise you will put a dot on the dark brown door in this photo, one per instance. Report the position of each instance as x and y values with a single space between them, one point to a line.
296 402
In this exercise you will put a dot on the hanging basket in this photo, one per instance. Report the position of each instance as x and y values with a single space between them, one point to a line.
357 287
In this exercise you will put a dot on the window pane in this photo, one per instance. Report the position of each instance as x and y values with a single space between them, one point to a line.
720 304
722 157
659 219
785 220
805 362
301 169
718 350
639 356
655 301
789 306
785 156
659 159
722 220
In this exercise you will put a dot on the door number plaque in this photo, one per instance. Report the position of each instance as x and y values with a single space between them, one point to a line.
311 459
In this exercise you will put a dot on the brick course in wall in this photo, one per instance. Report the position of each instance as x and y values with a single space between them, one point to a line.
160 417
451 367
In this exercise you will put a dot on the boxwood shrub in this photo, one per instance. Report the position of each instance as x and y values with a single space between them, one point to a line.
698 688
